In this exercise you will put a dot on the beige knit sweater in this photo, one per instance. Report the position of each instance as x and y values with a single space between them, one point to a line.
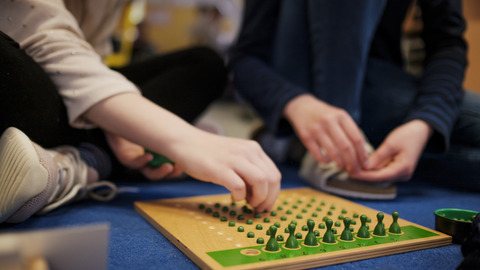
69 40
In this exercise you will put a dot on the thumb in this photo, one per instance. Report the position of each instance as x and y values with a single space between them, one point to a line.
383 155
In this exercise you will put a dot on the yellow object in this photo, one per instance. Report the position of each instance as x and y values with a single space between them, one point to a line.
133 15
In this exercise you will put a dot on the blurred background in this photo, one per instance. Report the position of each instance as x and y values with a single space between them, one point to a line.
160 26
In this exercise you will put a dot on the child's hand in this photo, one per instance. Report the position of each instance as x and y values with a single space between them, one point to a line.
239 165
133 156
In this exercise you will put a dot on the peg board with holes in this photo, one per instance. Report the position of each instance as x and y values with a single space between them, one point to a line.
206 229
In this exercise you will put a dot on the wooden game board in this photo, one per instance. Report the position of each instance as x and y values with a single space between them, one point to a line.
205 228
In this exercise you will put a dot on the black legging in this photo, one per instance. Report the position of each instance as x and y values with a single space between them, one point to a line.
183 82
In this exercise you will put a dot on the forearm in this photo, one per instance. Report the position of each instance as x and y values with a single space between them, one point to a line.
137 119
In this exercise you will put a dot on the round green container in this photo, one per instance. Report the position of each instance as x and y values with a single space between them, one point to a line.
454 222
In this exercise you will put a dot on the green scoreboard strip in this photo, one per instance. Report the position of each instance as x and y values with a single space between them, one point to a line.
255 254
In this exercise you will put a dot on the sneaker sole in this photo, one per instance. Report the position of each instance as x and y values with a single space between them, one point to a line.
22 176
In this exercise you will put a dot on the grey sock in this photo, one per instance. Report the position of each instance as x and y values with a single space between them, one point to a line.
96 158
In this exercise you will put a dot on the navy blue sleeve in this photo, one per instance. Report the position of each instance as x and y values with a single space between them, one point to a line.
250 63
441 83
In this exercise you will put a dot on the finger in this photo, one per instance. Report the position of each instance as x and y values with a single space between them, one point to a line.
394 171
256 179
177 172
316 150
346 148
380 157
157 173
139 161
235 184
331 149
273 181
273 191
357 139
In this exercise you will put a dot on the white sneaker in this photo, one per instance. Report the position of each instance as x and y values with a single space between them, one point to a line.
35 181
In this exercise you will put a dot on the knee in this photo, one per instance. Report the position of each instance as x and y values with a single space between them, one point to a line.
211 66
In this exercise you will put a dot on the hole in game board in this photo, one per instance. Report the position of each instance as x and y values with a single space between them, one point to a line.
250 252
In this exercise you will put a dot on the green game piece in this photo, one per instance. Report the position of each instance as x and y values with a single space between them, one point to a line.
294 222
286 230
344 211
369 220
223 218
317 233
231 223
291 241
240 217
309 205
332 207
321 225
299 216
158 159
217 205
304 210
289 212
298 235
280 238
334 230
272 244
279 208
259 227
283 218
294 206
328 237
322 203
201 206
395 228
273 214
355 215
353 222
325 219
329 213
380 228
268 232
346 234
266 220
285 203
225 209
260 240
305 228
319 209
208 210
250 235
363 231
258 215
310 238
233 204
300 201
240 229
216 214
314 214
338 224
277 224
249 221
233 213
341 217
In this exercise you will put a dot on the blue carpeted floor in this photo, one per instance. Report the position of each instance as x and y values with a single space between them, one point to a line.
135 244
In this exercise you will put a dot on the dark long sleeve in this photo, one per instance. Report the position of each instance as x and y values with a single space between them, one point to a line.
441 84
250 60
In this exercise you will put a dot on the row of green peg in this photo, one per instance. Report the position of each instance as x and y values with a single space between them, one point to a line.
328 237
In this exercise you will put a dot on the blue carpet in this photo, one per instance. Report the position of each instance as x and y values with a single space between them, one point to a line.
135 244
